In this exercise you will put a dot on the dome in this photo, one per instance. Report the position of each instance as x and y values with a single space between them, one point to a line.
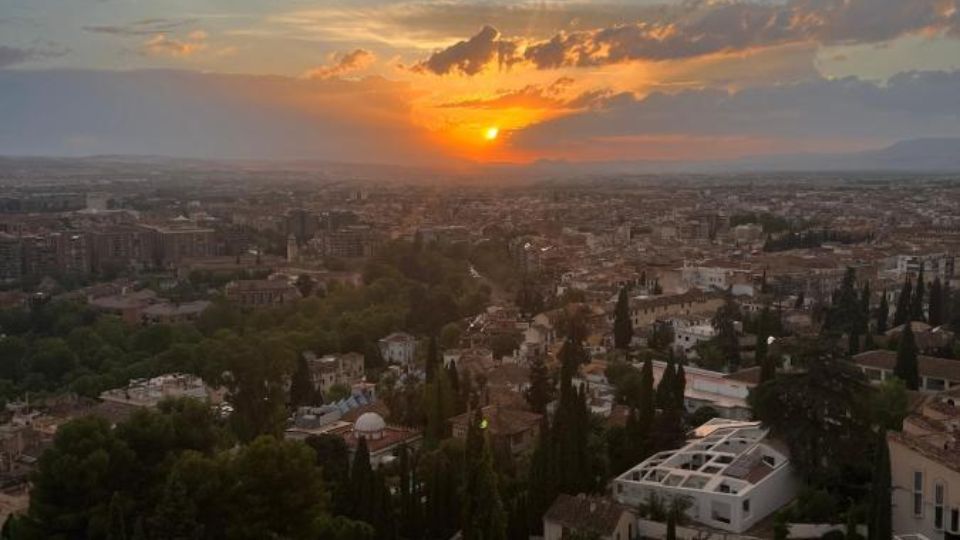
369 424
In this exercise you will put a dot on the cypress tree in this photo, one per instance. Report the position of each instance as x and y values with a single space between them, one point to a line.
543 489
680 387
433 360
647 406
768 369
362 483
917 300
760 352
671 526
947 296
302 390
902 314
906 368
863 316
541 391
667 385
410 511
724 323
881 521
936 306
883 314
622 324
484 517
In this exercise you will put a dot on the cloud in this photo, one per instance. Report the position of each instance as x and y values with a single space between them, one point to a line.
915 104
700 28
356 60
533 96
471 56
144 27
164 45
10 56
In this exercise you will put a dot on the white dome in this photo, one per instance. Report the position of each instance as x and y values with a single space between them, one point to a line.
369 424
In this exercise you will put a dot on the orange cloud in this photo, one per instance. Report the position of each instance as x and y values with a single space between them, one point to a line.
356 60
163 45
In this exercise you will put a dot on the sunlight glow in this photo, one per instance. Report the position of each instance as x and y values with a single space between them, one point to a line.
491 133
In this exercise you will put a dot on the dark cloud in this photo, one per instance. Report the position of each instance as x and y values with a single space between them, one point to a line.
10 56
471 56
144 27
915 104
356 60
707 27
702 27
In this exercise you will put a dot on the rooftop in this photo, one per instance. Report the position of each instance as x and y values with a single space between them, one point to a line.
724 456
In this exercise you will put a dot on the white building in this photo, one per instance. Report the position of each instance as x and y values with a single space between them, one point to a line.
686 338
730 472
150 392
934 265
724 393
925 469
398 348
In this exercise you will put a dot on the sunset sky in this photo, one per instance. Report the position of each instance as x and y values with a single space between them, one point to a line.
425 82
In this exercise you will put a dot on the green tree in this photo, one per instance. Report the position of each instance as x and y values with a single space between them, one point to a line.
622 323
411 513
302 390
433 359
820 412
75 480
258 374
276 491
175 517
935 308
882 314
906 368
483 513
13 354
680 387
667 386
118 522
763 329
879 512
540 392
727 339
917 300
902 314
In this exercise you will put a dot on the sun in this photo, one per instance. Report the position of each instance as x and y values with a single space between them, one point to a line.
491 133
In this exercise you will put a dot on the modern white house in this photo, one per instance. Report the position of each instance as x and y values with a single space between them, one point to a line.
730 472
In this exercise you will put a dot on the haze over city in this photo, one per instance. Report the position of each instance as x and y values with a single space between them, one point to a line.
413 82
479 270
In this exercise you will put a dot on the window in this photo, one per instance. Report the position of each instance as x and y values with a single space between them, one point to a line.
955 519
936 385
938 497
746 506
917 493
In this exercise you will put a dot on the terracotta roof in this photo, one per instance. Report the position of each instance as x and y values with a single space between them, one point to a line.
502 421
949 458
749 375
597 515
929 366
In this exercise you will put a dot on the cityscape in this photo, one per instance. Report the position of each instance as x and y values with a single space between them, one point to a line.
470 270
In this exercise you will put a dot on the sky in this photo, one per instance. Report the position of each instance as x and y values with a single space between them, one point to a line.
471 81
